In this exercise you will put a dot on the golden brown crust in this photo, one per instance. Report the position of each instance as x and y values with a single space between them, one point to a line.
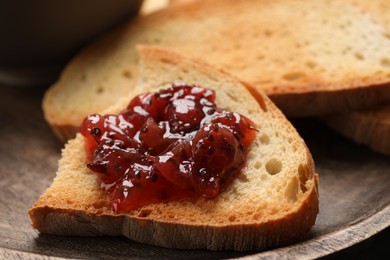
337 101
239 237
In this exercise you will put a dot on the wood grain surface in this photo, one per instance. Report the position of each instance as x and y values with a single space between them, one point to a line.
354 195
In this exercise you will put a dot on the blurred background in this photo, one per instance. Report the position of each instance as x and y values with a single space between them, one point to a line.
39 37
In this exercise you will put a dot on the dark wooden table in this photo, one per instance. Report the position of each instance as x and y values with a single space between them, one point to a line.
354 193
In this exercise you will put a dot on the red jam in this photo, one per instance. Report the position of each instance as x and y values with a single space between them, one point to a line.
170 145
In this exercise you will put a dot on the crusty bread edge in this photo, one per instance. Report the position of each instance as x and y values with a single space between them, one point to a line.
328 102
237 237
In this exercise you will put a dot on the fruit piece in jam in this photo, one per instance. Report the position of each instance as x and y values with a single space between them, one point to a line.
170 145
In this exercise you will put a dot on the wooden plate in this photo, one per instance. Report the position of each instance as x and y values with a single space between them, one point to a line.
354 193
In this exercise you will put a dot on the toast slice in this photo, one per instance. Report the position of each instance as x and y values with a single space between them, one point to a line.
273 201
370 127
311 57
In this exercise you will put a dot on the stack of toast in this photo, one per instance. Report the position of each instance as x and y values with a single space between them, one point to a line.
266 59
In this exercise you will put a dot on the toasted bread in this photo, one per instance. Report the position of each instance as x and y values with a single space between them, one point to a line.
272 202
311 57
370 127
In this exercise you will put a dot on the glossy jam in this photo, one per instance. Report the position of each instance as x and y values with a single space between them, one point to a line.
171 145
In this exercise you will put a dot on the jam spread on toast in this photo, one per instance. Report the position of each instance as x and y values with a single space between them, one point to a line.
170 145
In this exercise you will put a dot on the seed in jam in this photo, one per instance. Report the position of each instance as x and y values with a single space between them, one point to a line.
170 145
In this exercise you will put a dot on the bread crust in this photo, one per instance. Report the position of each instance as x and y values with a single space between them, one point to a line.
246 216
239 237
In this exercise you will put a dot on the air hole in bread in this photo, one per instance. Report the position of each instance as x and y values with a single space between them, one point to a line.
264 139
232 218
359 56
260 56
100 90
273 166
233 96
237 46
304 175
346 50
264 177
292 190
252 112
145 213
83 77
257 165
342 26
127 74
302 187
256 216
156 40
268 33
242 176
293 76
311 64
167 61
385 62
